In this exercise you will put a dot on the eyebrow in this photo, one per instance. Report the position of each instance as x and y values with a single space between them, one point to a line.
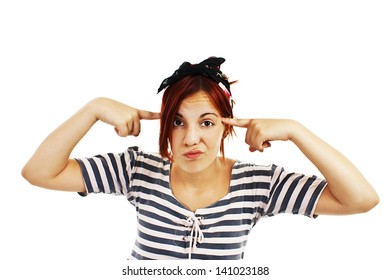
201 116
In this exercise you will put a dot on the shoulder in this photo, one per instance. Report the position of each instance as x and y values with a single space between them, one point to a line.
242 169
149 160
243 166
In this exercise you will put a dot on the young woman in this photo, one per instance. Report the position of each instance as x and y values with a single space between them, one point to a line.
191 201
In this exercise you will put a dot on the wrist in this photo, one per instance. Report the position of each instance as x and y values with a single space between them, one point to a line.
95 107
91 110
295 131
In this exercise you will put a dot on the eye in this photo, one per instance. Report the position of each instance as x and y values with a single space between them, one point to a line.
207 123
177 122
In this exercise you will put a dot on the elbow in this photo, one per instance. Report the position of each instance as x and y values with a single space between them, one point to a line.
368 203
27 175
30 176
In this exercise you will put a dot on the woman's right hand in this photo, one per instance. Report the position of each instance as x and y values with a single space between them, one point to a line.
125 119
51 166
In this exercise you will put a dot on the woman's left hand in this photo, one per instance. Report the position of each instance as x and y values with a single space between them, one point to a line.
260 132
347 190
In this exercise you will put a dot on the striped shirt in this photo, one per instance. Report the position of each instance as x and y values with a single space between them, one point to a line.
168 230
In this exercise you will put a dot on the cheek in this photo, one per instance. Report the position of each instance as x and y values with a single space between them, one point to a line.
176 139
214 138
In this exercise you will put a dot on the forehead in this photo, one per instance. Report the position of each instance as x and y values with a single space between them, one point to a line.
197 102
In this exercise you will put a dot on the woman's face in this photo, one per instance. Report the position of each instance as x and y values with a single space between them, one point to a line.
197 133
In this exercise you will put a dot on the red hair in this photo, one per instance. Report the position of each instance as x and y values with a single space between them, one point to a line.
177 92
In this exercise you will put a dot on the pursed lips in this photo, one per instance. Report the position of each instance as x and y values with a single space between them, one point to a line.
194 154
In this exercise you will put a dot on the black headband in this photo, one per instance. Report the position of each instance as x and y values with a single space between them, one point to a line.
208 68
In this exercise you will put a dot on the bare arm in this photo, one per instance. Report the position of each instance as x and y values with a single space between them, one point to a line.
50 166
347 191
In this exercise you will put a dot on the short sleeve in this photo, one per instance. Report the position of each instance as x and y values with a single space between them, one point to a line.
292 193
108 173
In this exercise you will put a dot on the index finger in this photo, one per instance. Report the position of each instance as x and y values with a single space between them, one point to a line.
147 115
236 122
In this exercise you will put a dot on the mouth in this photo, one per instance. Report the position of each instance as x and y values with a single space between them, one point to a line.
194 154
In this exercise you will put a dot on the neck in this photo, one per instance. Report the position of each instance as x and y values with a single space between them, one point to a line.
200 179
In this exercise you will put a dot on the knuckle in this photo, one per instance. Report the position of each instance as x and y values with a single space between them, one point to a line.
257 126
136 133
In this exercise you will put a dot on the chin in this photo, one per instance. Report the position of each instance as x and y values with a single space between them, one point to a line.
194 166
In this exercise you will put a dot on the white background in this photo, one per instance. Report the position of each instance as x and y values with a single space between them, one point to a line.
323 63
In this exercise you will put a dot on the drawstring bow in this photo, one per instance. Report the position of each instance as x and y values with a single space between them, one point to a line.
196 235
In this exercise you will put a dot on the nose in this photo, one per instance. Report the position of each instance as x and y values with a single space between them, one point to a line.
192 136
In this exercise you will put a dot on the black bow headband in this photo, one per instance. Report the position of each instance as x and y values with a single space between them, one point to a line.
208 68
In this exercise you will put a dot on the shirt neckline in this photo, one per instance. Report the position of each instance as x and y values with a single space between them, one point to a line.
234 166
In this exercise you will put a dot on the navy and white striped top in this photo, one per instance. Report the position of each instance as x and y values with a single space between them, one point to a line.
168 230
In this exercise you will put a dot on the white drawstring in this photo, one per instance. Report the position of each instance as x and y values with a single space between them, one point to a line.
196 235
